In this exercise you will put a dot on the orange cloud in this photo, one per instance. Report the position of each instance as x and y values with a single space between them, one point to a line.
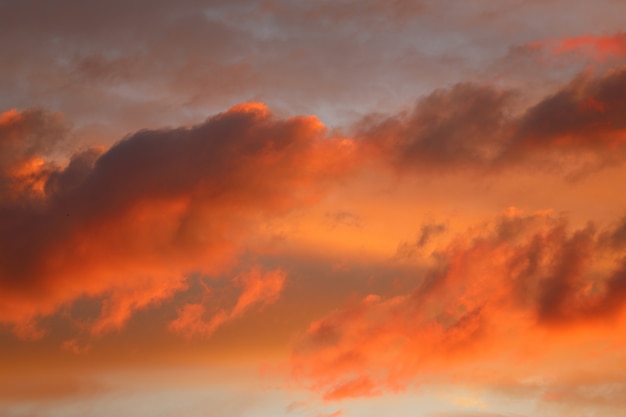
354 388
25 138
497 303
123 301
258 289
127 225
584 116
462 127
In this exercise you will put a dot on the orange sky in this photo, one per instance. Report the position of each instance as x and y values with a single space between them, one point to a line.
321 209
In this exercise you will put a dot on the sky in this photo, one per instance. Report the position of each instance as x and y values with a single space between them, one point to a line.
312 209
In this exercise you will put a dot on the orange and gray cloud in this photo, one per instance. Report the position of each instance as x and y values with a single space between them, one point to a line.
133 221
515 292
130 223
170 65
25 138
474 127
362 235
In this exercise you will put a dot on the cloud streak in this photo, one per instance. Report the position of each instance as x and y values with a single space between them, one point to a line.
258 289
601 48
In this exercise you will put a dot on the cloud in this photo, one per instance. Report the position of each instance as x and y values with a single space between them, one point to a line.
600 48
497 304
25 138
464 126
582 116
163 64
128 224
427 232
354 388
616 238
258 290
474 127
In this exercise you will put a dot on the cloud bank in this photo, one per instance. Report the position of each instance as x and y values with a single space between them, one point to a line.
495 306
129 224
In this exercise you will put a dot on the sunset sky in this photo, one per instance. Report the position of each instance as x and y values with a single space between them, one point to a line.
324 208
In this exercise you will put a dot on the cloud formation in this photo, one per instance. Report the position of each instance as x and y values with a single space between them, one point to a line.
130 223
511 292
26 138
127 225
137 235
258 289
474 127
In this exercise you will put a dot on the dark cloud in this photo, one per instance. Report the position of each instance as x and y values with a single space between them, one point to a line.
463 127
178 195
474 127
617 237
584 115
128 223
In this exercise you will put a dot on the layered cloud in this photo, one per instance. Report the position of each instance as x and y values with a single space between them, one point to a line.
129 224
126 226
360 247
496 307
